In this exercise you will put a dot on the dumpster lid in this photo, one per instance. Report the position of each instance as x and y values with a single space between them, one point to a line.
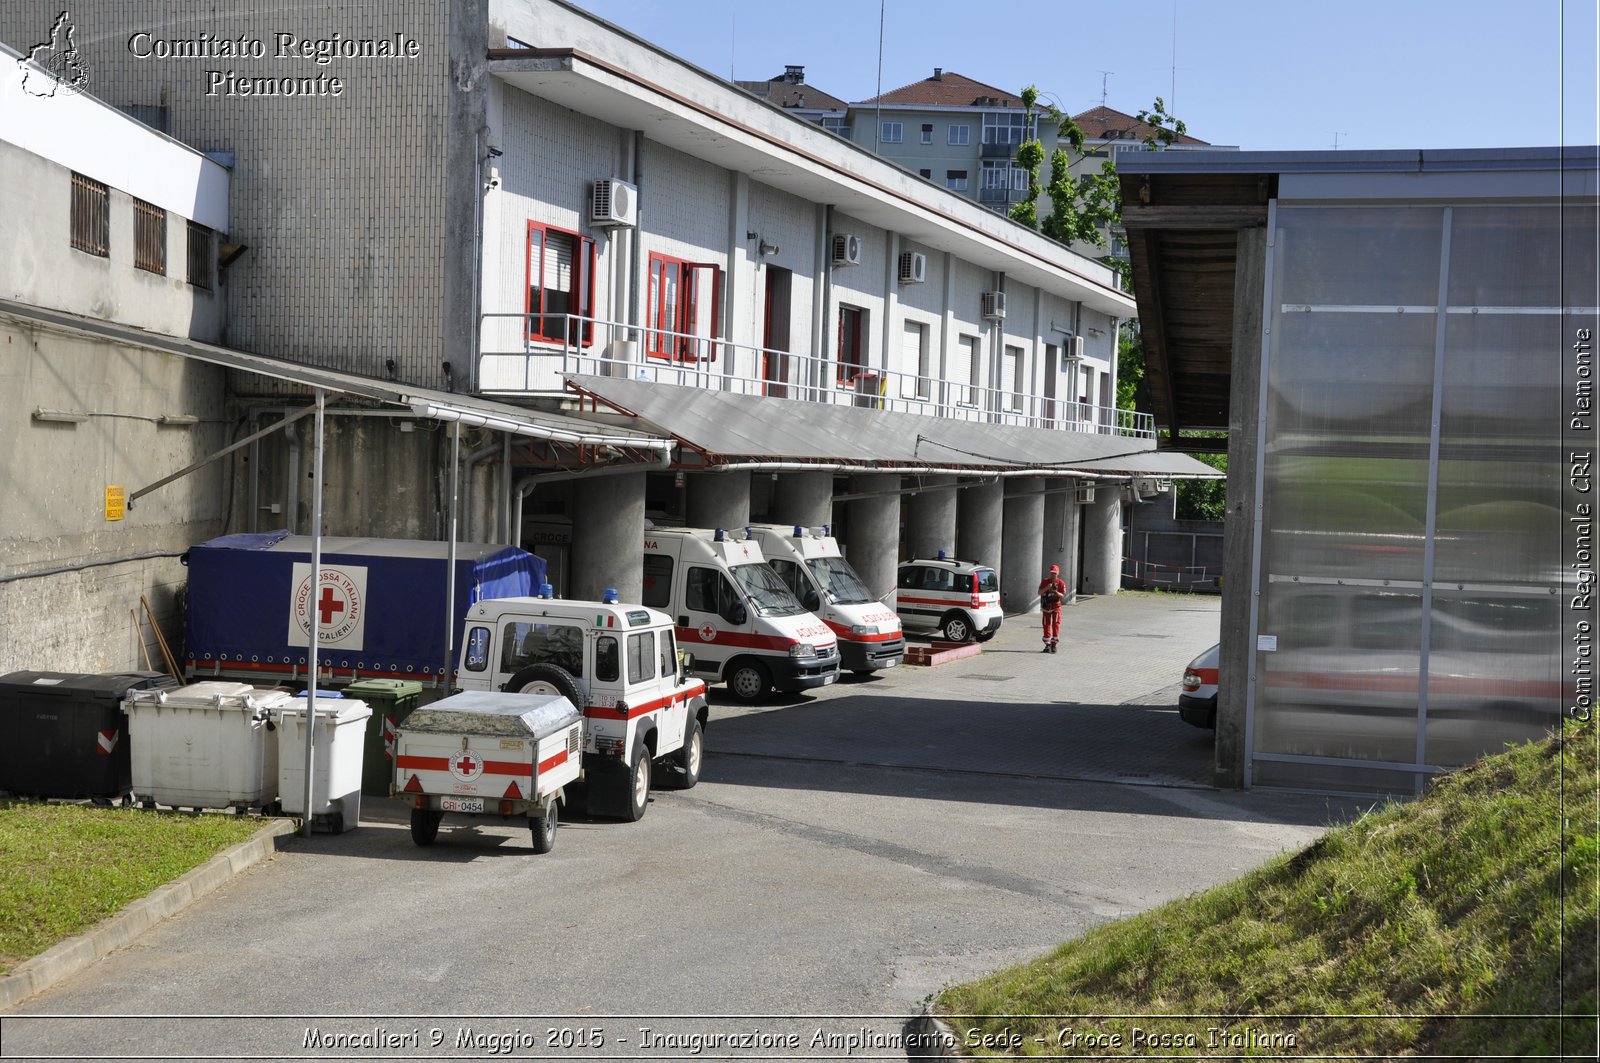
393 689
335 710
110 685
490 712
214 694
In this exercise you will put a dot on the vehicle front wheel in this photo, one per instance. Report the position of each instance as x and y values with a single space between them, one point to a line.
957 628
544 828
425 825
688 759
749 682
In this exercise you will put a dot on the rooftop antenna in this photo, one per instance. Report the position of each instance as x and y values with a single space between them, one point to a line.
1105 75
733 41
1336 137
877 136
1172 99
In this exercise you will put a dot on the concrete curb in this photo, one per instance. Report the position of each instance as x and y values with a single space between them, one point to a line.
74 954
936 1040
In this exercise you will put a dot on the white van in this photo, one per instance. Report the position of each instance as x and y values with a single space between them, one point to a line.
810 562
734 613
617 664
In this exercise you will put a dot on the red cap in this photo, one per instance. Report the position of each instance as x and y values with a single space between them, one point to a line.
1055 570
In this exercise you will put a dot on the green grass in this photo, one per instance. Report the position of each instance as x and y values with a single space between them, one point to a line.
64 868
1460 924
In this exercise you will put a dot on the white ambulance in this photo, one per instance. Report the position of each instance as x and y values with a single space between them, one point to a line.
732 610
810 562
619 665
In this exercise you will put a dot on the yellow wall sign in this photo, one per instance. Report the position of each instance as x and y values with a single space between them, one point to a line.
116 502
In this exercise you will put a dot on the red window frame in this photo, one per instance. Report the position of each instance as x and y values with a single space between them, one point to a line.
554 329
681 312
852 350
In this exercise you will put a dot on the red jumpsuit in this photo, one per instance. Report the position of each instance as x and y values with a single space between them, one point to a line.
1052 592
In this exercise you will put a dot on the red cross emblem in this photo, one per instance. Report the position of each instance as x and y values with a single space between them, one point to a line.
329 605
707 632
466 765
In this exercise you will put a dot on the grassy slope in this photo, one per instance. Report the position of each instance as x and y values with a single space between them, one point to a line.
1407 932
63 868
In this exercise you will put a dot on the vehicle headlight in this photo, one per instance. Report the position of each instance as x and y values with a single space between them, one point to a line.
802 649
864 629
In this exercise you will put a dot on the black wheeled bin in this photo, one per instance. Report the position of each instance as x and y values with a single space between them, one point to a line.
391 701
64 734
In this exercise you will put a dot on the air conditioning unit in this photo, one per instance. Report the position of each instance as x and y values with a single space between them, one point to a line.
913 267
614 203
1075 349
1085 494
994 306
846 250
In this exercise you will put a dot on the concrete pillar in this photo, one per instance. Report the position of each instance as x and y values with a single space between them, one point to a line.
1102 541
718 500
803 498
1022 536
931 518
608 551
874 531
980 514
1058 543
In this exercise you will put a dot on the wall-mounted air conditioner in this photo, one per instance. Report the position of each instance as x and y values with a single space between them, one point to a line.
913 267
846 250
1085 494
994 306
614 203
1075 349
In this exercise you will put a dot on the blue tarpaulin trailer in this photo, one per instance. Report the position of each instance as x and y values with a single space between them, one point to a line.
379 604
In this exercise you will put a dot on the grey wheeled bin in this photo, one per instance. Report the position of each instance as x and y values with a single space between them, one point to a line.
336 768
205 745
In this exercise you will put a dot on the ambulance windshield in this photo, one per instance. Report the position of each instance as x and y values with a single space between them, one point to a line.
838 580
768 594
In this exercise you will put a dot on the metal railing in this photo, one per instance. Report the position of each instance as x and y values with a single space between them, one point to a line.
517 362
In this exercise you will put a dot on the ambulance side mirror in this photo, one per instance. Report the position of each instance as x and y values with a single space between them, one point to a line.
685 666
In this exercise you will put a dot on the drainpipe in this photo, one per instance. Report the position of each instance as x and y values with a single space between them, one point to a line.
252 525
636 284
504 522
820 294
291 504
466 475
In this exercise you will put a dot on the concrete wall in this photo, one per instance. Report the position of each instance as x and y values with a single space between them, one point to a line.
54 478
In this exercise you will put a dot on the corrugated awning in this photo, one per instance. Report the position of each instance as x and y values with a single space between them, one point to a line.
733 429
423 402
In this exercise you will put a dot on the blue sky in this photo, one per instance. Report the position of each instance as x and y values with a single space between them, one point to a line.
1257 74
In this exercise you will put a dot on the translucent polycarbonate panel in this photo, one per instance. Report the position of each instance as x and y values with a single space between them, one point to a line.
1358 256
1340 777
1348 429
1501 467
1494 670
1513 255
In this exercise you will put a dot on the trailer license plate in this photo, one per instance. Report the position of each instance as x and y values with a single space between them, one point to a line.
461 804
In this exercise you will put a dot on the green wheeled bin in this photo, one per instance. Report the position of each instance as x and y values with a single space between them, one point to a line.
391 701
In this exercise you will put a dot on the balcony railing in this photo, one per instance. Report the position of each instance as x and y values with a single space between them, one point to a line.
512 363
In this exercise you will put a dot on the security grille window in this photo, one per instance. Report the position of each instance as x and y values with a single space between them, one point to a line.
927 132
960 134
149 237
956 180
91 216
891 132
201 260
560 283
1004 127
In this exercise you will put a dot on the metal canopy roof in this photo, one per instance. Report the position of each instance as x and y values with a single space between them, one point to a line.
423 402
1184 210
739 429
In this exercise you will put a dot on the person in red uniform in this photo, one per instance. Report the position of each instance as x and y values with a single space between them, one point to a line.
1052 593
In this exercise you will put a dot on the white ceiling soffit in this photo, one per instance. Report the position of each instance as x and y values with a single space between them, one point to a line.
743 428
795 156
